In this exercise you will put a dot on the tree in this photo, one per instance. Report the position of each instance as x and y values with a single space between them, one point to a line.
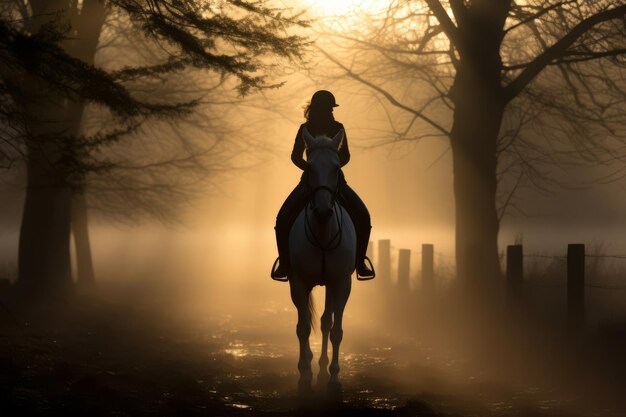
48 51
512 84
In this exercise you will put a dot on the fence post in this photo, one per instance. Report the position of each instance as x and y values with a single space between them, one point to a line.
514 270
384 260
404 268
428 266
575 286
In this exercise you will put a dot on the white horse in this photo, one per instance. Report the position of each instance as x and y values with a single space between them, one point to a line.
322 244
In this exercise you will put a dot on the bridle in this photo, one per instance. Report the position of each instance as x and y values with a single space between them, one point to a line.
333 194
336 239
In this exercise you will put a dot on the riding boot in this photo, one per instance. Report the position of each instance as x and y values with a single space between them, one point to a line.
283 254
363 237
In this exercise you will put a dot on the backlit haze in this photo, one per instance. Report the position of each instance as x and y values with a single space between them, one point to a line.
225 239
213 262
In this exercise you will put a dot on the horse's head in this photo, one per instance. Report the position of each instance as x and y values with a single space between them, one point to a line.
324 166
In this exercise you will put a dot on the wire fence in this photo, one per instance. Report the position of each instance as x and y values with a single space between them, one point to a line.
387 256
564 258
543 280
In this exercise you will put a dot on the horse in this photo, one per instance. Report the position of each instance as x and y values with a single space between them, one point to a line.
322 246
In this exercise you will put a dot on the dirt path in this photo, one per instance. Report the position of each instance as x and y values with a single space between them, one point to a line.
124 362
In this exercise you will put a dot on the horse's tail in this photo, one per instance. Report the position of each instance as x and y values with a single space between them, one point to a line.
312 312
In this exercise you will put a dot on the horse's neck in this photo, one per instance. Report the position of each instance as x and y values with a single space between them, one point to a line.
324 232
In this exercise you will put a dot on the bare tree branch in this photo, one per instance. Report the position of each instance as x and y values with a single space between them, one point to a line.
451 31
534 16
557 50
386 94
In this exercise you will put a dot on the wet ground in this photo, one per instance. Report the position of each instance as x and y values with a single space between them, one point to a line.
106 359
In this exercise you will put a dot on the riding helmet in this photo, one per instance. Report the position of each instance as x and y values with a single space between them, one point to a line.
323 98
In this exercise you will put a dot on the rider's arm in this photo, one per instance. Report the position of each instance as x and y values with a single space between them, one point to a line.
298 151
344 151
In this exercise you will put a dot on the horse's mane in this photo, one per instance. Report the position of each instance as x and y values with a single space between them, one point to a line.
323 142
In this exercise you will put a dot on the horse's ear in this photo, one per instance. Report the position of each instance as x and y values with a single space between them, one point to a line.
309 140
338 139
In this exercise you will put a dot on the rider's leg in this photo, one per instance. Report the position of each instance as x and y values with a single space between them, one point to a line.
361 219
284 220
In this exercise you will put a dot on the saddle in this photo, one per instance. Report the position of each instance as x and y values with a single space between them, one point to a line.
335 241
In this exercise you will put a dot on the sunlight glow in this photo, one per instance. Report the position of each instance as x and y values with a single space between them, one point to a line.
339 8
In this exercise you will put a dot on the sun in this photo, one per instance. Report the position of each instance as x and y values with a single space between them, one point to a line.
339 8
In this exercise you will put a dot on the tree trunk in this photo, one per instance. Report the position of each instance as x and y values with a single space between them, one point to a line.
44 249
479 107
80 229
44 268
477 118
88 26
44 265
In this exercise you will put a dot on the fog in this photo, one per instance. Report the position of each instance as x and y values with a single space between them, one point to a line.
183 317
210 274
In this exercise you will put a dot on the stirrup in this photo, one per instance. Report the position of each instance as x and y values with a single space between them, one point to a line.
360 278
275 278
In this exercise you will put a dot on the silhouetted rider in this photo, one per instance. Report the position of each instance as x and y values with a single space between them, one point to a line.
320 121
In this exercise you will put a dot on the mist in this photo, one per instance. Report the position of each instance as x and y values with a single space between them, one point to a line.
145 156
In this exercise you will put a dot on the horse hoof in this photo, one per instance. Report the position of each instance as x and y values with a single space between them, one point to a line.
334 386
322 378
305 389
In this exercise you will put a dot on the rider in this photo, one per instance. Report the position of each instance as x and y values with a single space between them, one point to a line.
320 121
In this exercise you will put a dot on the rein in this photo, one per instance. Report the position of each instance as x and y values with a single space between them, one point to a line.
332 192
335 241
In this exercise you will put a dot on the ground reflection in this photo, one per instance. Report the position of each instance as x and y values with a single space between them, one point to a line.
375 375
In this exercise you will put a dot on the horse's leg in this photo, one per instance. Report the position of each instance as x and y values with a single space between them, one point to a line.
300 297
326 323
341 292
